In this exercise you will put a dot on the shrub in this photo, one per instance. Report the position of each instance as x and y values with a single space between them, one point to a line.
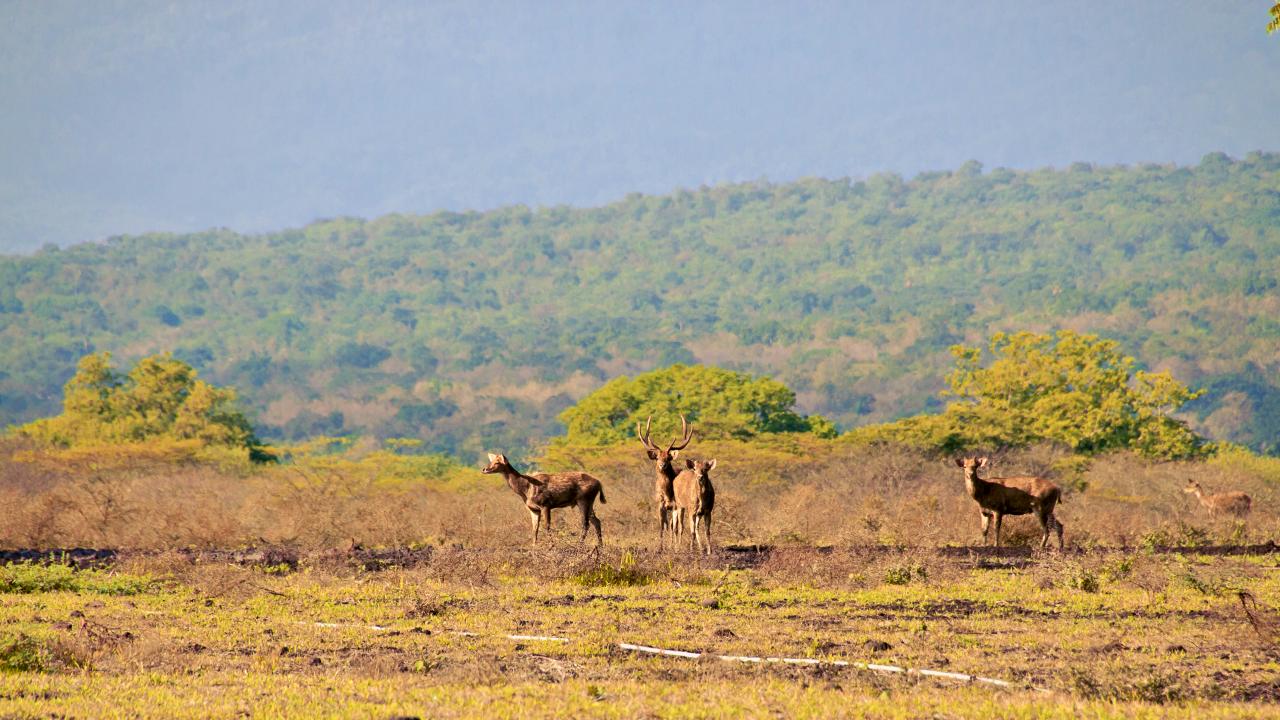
625 573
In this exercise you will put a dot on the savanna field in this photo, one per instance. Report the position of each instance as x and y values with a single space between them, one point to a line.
342 584
656 360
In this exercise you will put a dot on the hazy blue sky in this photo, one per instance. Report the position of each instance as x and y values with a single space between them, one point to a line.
125 117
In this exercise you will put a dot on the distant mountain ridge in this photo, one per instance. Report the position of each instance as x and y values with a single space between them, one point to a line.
473 330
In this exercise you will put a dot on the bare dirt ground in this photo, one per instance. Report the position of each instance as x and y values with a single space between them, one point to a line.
457 632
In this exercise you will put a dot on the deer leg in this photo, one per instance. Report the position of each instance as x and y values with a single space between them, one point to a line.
986 525
664 521
596 521
585 507
535 519
999 520
1058 527
706 532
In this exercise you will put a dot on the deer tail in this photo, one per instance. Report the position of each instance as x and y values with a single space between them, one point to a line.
602 500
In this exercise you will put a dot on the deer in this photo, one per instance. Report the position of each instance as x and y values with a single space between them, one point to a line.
664 474
1234 503
695 498
997 497
543 491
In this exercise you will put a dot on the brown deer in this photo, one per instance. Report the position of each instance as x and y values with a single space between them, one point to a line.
997 497
664 474
1235 503
544 491
695 499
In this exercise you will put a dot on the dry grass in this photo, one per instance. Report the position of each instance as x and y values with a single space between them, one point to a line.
790 492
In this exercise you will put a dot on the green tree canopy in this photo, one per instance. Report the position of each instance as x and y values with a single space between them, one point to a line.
159 398
721 403
1078 390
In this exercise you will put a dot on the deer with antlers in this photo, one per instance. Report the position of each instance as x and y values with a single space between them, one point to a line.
997 497
543 491
664 474
1234 503
695 499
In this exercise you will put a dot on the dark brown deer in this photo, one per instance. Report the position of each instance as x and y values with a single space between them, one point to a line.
695 499
664 474
1234 503
997 497
544 491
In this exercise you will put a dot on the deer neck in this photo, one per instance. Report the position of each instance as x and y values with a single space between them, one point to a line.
664 475
664 482
517 481
975 485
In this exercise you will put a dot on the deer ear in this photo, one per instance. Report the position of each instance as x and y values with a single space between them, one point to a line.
982 461
675 454
688 462
959 462
652 455
535 482
711 465
493 458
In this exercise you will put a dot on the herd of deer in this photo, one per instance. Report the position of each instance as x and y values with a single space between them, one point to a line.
687 497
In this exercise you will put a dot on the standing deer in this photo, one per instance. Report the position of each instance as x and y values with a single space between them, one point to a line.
1234 503
664 474
544 491
695 498
997 497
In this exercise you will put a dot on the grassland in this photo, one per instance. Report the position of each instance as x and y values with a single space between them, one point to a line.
1096 634
338 589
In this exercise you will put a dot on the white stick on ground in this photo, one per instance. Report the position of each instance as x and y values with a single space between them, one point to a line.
649 649
961 677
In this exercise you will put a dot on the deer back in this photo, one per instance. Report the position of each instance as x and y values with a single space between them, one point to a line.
1014 495
562 489
1233 503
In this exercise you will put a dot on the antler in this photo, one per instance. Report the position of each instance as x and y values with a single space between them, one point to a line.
644 436
687 433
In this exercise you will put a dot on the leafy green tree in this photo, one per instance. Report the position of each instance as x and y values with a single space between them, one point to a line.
721 403
160 398
1078 390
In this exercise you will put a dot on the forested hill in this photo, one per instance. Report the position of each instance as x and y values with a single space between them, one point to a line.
472 331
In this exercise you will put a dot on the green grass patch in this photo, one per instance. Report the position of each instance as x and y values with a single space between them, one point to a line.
27 577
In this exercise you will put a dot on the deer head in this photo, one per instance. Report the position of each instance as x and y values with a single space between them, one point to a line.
700 468
971 465
1192 488
498 464
663 458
